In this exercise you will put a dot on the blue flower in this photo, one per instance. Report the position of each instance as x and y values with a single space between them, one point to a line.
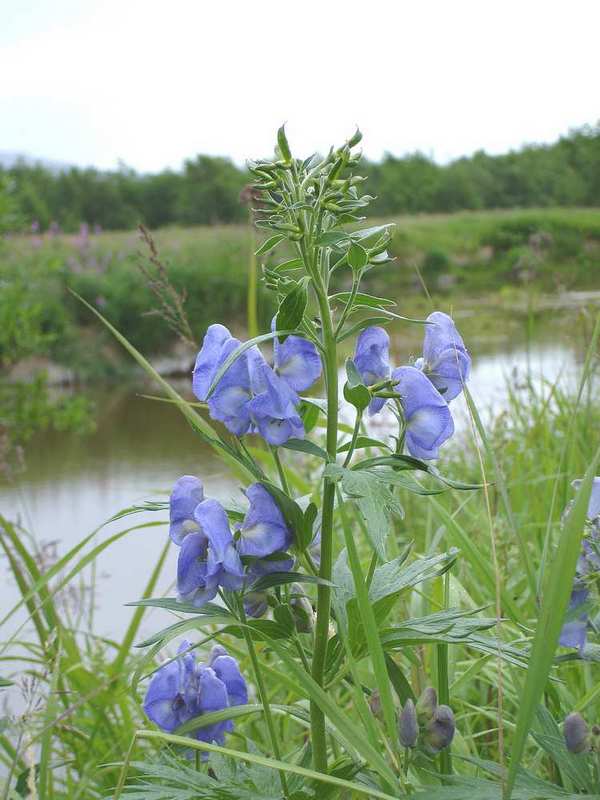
273 408
209 359
208 558
427 416
574 632
446 360
264 530
187 493
172 696
297 361
183 690
372 360
229 402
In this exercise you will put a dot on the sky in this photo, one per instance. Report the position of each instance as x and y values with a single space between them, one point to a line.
151 83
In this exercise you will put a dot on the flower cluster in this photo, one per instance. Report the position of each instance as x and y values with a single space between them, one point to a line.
183 689
212 557
434 723
574 631
426 388
251 396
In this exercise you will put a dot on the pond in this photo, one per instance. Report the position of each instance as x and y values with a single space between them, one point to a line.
72 484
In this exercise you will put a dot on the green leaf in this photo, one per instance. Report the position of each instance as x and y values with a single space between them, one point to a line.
270 243
363 299
282 578
291 310
554 605
282 144
358 258
362 442
306 446
292 263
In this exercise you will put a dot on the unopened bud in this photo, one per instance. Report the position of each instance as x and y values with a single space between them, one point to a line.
255 604
375 704
302 610
408 727
426 705
440 729
576 733
217 651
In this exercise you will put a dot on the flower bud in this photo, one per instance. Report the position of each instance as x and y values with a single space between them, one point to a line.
426 705
255 604
375 704
440 729
408 728
576 733
302 610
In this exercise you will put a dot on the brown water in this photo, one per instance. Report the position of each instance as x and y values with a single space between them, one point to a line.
72 484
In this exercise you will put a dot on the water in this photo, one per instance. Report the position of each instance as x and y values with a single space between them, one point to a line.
72 484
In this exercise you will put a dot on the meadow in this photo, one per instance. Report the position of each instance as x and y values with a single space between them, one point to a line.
456 577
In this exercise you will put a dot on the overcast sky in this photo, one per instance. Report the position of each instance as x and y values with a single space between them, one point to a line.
151 83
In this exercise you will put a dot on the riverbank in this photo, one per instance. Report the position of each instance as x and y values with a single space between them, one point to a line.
517 255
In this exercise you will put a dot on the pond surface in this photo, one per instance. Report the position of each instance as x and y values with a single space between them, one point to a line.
72 484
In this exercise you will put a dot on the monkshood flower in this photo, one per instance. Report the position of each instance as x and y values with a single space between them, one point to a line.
187 493
372 360
183 689
297 361
446 360
574 631
172 696
426 414
251 395
273 410
264 530
208 559
229 403
262 535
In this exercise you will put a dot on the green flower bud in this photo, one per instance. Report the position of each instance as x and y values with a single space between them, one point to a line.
440 729
576 733
302 610
408 727
426 705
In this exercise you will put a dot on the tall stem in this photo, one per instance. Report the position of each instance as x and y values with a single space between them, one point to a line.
317 718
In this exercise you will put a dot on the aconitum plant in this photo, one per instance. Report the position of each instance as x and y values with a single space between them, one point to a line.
304 576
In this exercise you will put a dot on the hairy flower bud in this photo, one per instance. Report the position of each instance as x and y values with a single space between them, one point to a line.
576 733
440 729
408 728
426 705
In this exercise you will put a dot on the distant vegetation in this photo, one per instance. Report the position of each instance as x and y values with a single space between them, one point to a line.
454 254
207 189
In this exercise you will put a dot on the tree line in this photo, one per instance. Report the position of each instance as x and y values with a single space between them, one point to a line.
207 189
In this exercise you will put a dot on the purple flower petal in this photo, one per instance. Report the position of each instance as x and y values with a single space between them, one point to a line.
372 360
446 360
428 419
574 632
187 493
273 411
593 509
227 670
229 403
264 530
209 359
297 361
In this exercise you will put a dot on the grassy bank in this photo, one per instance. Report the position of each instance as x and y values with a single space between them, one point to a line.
466 253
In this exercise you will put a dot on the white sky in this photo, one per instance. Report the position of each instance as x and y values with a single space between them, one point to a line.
154 82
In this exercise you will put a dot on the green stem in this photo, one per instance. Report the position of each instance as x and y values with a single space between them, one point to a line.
355 433
317 718
262 693
280 471
443 679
